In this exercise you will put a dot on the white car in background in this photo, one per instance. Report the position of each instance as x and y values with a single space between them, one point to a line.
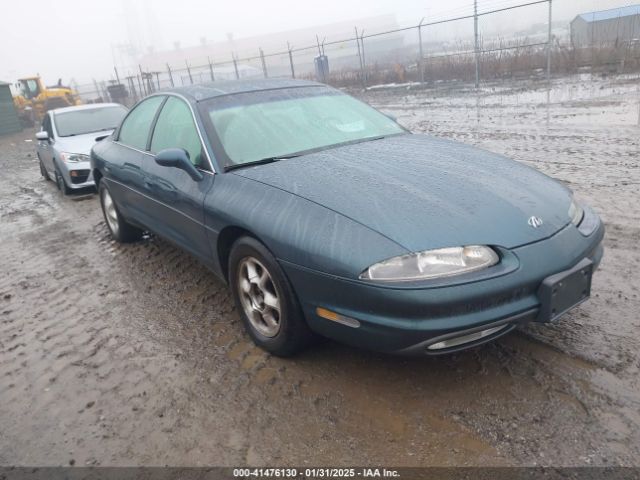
66 138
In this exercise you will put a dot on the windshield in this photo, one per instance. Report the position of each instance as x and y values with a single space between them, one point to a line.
253 126
88 120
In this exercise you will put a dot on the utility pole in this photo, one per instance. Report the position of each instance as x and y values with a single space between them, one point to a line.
364 85
549 46
143 93
293 72
189 72
639 103
170 75
476 46
235 65
364 65
420 65
132 87
264 64
143 87
213 77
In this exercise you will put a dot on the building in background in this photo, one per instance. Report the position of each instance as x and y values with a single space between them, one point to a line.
614 27
9 121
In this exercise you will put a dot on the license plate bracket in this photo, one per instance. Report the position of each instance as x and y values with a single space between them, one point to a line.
562 291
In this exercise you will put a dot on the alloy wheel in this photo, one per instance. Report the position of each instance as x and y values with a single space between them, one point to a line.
259 297
110 212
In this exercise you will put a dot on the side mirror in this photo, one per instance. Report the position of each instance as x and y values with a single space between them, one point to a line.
42 136
178 158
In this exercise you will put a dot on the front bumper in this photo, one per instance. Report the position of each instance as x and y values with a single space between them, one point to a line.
410 319
78 175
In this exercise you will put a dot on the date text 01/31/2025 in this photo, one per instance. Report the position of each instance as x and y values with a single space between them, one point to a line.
314 473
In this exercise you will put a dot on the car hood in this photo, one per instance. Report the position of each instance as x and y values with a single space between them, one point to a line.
80 144
423 192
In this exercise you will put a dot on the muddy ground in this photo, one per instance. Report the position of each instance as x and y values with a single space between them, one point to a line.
134 355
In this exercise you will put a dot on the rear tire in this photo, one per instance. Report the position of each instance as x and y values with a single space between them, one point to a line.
120 230
265 300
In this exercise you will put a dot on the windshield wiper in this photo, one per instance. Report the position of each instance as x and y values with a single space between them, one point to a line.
262 161
233 166
89 132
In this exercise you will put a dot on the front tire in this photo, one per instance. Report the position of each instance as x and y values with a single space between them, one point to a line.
61 184
265 300
120 230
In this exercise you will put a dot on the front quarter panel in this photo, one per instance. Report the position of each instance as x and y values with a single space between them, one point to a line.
97 157
296 230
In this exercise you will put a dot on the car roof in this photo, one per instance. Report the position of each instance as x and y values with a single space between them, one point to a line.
88 106
205 91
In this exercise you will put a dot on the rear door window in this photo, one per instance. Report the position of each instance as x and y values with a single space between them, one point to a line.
135 128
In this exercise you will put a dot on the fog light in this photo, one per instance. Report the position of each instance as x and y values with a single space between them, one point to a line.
336 317
471 337
73 173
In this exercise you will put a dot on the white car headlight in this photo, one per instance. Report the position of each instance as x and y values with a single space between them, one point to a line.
442 262
575 213
73 157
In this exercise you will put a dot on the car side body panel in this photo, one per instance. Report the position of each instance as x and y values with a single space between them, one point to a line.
296 230
177 212
45 148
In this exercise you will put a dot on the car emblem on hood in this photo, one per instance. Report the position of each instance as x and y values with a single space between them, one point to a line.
534 221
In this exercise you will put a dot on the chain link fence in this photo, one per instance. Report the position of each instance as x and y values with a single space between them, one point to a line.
465 48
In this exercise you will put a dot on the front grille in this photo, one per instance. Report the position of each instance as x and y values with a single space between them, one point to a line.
481 303
79 176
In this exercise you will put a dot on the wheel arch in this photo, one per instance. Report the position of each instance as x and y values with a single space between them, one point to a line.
226 238
97 176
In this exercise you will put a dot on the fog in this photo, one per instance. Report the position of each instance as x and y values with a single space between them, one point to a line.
82 39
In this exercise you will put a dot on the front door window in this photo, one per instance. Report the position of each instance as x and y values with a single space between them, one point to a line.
175 128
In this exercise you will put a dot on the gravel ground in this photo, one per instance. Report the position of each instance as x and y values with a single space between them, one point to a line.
134 355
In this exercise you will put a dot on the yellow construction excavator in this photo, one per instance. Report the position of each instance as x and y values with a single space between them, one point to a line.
33 99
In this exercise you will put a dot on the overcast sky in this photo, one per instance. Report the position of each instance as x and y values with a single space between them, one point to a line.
74 39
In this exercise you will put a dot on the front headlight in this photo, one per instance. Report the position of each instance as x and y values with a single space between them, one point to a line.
575 213
442 262
73 157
